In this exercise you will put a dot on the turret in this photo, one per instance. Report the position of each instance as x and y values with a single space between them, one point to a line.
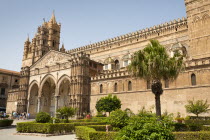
26 48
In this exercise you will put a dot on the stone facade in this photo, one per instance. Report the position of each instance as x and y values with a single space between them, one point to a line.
8 80
52 78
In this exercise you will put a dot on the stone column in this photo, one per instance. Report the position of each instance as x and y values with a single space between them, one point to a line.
56 104
39 104
28 106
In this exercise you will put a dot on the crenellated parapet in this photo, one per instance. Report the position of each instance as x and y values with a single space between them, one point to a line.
109 74
145 34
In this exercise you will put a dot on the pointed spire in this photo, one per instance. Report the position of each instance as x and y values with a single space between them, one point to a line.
53 20
28 38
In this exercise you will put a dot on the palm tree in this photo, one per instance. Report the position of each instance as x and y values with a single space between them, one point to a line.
154 64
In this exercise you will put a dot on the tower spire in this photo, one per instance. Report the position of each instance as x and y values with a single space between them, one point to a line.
27 38
53 20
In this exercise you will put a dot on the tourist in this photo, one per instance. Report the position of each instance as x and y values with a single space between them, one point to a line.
28 115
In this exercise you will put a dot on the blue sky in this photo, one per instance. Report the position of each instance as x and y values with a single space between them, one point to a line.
82 21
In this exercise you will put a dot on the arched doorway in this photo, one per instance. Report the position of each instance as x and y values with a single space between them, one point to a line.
33 100
48 96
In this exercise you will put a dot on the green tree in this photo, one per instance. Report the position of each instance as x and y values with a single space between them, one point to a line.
66 112
154 64
197 107
108 104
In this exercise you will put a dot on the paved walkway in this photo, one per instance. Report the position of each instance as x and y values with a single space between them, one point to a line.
7 134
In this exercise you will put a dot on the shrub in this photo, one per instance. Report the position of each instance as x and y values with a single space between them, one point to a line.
100 127
100 114
206 128
87 123
180 127
199 118
42 117
201 122
102 135
83 132
46 128
100 119
147 126
194 127
192 135
5 122
93 119
118 118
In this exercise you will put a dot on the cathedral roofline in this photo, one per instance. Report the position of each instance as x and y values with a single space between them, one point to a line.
155 29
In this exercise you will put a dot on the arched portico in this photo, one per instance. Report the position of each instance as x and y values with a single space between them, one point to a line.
32 107
47 96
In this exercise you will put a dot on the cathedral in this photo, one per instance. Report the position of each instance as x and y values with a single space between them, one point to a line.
52 77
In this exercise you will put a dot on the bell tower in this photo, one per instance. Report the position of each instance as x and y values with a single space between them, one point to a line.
47 38
198 12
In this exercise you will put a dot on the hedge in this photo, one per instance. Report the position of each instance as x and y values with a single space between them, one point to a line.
180 127
201 135
5 122
93 119
201 122
82 132
88 123
49 128
100 127
102 135
46 128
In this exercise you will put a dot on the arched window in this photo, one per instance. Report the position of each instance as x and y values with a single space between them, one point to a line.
148 84
115 87
101 88
116 64
193 79
166 83
129 86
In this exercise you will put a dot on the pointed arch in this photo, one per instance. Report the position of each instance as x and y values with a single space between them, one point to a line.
101 88
34 82
115 87
63 77
44 79
129 86
193 79
205 16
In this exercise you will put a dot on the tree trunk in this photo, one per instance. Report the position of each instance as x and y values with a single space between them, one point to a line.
157 105
157 90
